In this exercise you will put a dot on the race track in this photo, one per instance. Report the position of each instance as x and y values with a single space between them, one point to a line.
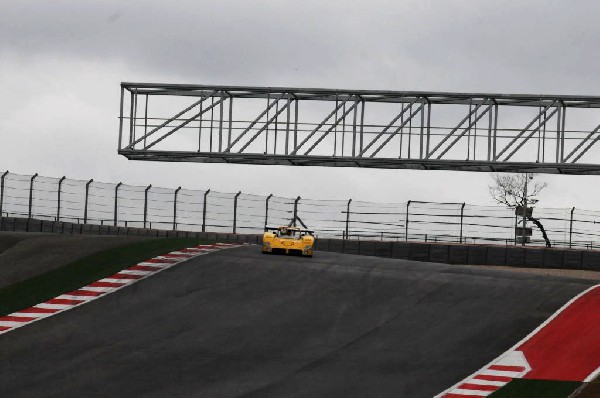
237 323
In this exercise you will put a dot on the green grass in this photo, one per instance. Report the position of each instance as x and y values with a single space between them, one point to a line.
525 388
85 271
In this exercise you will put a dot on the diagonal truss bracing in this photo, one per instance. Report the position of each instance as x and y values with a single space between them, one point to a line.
360 128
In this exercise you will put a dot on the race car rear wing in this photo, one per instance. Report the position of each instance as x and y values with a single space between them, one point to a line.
306 231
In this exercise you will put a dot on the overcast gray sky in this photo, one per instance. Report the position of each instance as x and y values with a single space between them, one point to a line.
61 63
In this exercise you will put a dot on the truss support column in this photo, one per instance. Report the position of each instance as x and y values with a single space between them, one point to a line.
229 132
558 135
2 196
175 208
204 211
146 204
58 198
348 217
462 213
495 132
87 196
235 202
121 118
131 117
571 228
362 125
406 222
562 134
31 193
422 130
267 210
287 125
428 126
116 203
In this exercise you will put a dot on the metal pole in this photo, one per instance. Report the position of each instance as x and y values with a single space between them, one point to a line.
221 124
362 125
267 210
406 222
235 201
85 206
295 210
31 193
462 212
2 195
121 118
428 126
516 223
525 212
571 227
295 123
230 120
146 204
287 125
204 211
116 202
175 209
348 217
58 200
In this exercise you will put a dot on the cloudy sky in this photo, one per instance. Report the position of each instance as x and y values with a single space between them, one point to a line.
61 63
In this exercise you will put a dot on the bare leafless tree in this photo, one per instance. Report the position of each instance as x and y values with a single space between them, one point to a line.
509 189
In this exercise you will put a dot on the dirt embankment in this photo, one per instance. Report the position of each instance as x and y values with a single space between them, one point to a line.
24 254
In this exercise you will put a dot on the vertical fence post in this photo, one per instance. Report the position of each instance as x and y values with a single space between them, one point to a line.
235 201
31 193
58 198
267 210
516 223
571 228
2 196
204 211
175 209
347 217
146 204
116 203
462 213
85 206
406 222
295 211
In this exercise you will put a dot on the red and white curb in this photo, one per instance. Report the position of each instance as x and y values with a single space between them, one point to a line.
105 286
565 347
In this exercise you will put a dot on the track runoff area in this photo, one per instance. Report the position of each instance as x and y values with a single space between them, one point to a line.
564 351
239 323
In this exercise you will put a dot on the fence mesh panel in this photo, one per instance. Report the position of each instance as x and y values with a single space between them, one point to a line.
161 208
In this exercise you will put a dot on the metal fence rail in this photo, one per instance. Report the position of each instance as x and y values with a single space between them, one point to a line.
118 204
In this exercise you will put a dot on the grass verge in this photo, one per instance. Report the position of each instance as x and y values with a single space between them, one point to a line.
526 388
85 271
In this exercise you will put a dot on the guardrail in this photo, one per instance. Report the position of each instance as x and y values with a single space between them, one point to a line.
118 204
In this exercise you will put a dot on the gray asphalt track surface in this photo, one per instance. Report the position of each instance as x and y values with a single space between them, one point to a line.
237 323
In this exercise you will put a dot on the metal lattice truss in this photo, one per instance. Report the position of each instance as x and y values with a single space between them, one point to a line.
360 128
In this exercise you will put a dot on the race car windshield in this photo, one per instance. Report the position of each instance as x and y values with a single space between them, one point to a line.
286 234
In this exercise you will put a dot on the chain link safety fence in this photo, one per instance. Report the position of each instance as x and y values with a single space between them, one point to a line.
92 202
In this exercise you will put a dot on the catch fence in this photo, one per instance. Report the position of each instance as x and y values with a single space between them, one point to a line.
92 202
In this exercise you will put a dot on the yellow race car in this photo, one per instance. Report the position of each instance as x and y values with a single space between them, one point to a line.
288 240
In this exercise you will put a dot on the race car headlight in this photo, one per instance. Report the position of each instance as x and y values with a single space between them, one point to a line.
307 247
267 245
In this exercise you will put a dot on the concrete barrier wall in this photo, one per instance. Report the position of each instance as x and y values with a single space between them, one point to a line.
14 224
532 257
518 256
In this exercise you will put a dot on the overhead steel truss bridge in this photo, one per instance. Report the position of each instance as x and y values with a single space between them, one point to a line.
360 128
